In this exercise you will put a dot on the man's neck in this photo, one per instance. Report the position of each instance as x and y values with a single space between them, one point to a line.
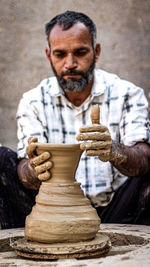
77 98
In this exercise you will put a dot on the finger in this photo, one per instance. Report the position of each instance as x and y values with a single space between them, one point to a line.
44 176
93 136
99 153
32 140
43 167
95 145
40 159
93 128
95 114
30 150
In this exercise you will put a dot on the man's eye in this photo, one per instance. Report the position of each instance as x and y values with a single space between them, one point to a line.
81 53
59 55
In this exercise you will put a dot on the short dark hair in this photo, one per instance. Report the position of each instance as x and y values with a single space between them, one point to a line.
67 19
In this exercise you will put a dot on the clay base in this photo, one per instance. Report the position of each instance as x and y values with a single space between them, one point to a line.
98 246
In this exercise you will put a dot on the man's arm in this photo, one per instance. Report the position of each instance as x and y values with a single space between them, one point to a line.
27 175
131 161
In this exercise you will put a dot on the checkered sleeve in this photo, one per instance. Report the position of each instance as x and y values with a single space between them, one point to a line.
29 124
134 122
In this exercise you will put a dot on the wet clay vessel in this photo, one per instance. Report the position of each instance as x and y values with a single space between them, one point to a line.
62 213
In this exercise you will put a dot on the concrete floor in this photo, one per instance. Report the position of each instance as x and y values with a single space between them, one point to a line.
130 248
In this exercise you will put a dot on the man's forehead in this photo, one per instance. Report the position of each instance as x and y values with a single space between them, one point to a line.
78 30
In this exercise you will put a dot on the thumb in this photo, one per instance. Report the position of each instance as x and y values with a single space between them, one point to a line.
32 140
95 114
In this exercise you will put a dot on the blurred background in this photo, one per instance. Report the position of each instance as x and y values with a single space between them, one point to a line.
123 28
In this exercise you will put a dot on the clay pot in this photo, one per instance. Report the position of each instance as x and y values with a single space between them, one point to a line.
62 213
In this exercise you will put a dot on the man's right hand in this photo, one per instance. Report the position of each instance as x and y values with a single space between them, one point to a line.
40 163
35 169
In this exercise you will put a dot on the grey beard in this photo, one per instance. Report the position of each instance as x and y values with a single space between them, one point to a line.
73 85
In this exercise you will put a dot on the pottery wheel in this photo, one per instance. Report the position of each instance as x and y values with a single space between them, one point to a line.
98 246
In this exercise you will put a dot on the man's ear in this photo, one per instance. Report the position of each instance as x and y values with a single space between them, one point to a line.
97 51
47 52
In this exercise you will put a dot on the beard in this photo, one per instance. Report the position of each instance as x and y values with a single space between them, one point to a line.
72 84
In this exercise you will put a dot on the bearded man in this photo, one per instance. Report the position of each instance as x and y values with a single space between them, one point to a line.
114 167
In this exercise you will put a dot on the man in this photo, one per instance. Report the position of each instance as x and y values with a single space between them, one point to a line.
116 148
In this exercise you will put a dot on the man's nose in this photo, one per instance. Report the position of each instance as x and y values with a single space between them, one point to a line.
70 62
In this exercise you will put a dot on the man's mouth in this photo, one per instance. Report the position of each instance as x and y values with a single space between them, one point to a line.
76 76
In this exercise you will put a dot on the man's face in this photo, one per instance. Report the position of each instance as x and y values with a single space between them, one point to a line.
72 56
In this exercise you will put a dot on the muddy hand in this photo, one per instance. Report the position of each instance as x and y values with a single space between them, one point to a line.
40 163
96 136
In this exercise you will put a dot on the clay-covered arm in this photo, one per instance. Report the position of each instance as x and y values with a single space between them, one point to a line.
131 161
27 175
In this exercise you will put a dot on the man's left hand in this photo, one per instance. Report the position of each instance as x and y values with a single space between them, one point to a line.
98 141
97 137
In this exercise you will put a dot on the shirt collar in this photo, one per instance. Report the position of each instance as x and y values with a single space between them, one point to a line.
99 83
98 87
53 87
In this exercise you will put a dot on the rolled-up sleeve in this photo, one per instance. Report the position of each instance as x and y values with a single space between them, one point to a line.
134 125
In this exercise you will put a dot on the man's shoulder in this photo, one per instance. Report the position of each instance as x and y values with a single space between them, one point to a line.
105 75
111 78
47 85
116 83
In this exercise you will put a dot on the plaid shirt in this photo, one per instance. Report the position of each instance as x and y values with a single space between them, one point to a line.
46 113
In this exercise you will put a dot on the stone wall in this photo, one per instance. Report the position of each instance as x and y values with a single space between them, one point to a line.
123 30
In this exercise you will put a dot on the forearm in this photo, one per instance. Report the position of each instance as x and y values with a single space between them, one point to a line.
27 175
131 161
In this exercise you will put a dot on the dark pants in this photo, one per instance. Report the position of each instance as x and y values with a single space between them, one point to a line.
131 203
15 200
